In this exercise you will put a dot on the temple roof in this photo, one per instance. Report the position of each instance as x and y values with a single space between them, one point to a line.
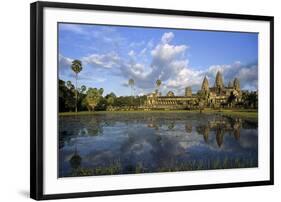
205 84
219 80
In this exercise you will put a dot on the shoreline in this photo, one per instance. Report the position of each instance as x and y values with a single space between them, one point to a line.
243 113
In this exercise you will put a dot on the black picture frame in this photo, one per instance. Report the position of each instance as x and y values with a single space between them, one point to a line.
36 99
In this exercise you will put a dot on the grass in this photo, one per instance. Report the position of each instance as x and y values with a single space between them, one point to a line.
116 167
125 112
242 113
225 163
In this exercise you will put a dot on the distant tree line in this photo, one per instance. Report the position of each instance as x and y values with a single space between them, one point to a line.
250 99
72 98
92 99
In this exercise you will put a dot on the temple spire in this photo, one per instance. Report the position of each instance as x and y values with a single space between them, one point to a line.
236 84
205 85
219 81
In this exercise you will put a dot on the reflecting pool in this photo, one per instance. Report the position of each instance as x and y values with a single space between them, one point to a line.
127 143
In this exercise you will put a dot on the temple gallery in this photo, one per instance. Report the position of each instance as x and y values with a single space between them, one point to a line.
218 96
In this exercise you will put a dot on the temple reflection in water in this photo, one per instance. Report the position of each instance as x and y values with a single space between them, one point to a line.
155 142
221 127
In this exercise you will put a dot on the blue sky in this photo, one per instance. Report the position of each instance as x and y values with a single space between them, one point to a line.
111 55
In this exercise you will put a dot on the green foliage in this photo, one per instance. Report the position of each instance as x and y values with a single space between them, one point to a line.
76 66
115 167
131 82
250 99
231 99
126 101
102 104
110 101
112 169
158 83
110 98
93 98
82 89
66 96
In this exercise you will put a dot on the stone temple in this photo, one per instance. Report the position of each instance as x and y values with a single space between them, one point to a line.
217 96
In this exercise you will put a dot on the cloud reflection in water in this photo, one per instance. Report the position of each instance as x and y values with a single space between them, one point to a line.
154 142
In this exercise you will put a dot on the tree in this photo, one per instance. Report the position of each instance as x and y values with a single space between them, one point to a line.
131 83
110 95
250 99
231 99
76 67
158 84
110 98
70 86
110 101
93 97
81 106
66 96
101 91
82 89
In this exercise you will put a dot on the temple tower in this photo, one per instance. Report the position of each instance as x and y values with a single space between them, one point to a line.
236 84
188 91
205 85
219 81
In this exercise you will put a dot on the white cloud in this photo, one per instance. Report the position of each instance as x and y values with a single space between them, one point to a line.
108 60
150 44
136 44
89 77
102 34
185 77
64 65
167 53
137 68
64 61
170 64
131 53
143 51
167 37
73 28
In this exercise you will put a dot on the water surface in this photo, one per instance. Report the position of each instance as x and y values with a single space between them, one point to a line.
125 143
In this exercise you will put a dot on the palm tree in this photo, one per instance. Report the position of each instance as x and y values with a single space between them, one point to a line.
83 89
158 84
131 83
76 67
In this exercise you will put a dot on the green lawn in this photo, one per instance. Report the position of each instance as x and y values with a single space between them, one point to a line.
244 113
125 112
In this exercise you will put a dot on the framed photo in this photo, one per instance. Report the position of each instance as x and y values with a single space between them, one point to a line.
136 100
